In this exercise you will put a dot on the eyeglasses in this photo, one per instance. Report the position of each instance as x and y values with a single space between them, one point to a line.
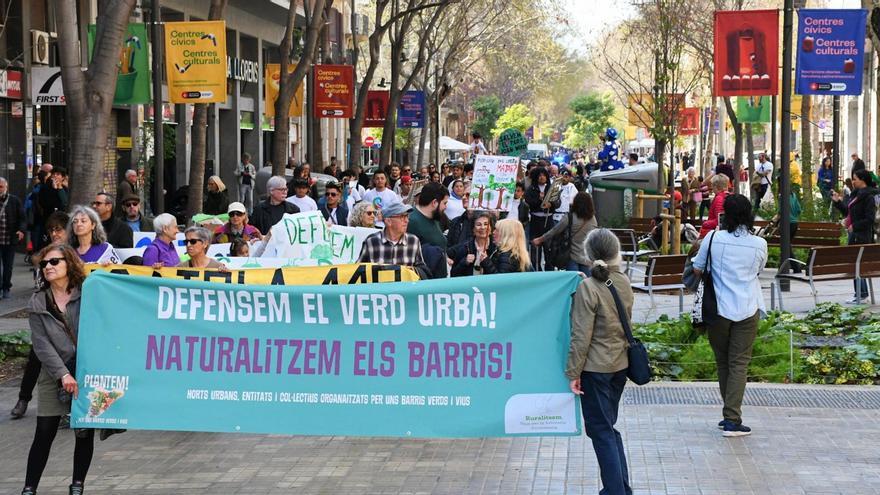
99 203
371 213
279 188
129 205
236 213
50 261
332 195
191 242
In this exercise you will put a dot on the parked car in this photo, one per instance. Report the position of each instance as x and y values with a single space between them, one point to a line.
264 173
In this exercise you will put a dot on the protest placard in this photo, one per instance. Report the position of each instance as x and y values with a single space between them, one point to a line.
494 182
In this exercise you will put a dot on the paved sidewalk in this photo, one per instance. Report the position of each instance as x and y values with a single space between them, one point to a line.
828 444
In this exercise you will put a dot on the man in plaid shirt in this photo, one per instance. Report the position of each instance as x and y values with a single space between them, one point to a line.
394 246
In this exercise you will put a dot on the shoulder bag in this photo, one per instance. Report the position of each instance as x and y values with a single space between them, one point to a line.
639 370
705 303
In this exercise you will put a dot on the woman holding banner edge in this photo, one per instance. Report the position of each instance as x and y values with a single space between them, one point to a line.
54 323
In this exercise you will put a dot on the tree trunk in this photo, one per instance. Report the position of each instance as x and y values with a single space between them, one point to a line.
710 139
199 139
289 81
89 93
750 152
737 132
807 152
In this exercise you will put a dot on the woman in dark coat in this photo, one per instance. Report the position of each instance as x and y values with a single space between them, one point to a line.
511 255
216 198
860 216
467 256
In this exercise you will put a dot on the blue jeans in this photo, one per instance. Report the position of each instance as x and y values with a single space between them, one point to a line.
600 403
574 266
860 238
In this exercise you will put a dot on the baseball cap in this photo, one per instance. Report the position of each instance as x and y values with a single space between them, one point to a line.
236 206
406 179
395 209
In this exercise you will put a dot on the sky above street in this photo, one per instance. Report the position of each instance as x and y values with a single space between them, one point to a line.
587 21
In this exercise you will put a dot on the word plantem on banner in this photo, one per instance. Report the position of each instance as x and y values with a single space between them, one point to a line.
423 359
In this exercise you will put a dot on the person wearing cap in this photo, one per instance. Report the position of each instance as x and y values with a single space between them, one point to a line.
132 216
331 205
404 187
393 245
567 192
301 196
237 227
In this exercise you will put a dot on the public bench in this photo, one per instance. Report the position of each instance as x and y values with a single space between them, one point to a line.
833 263
809 234
629 248
664 273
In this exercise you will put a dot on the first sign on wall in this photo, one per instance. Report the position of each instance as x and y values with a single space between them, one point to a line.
195 61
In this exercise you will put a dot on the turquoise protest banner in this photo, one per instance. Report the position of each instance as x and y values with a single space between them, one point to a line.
461 357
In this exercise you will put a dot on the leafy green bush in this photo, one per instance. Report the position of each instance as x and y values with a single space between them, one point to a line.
15 344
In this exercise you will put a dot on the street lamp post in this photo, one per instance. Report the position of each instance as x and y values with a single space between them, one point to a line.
785 144
158 135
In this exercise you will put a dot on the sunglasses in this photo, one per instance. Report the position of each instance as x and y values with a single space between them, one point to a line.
332 195
50 261
129 205
371 213
191 242
236 214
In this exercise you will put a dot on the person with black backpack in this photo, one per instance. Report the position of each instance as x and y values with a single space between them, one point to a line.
566 239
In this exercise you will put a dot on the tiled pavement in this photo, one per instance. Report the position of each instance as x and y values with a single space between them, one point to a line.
672 449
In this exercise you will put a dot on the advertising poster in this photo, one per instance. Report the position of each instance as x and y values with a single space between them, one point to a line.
133 78
273 76
47 88
334 91
746 53
447 358
753 109
411 111
689 121
195 61
640 108
830 51
377 108
494 182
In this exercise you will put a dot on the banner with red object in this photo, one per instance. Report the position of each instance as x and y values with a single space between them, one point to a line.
377 108
334 91
746 53
689 121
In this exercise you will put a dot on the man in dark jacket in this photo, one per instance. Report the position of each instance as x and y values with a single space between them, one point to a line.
12 226
132 216
54 195
271 210
332 206
119 234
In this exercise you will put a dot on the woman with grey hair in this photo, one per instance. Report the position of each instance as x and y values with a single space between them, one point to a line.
362 215
597 356
162 252
198 239
86 234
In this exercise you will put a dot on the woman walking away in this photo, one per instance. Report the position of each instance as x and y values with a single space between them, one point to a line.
859 211
54 322
597 359
583 221
734 257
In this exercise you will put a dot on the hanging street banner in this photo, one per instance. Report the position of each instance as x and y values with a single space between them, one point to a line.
359 273
334 91
273 87
830 51
746 53
445 358
133 77
377 108
689 121
494 182
411 111
753 109
195 61
640 107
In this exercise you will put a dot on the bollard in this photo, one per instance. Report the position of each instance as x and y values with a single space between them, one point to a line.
790 355
676 233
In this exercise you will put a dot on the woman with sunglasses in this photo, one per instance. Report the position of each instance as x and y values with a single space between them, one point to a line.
237 227
86 235
363 215
54 322
198 239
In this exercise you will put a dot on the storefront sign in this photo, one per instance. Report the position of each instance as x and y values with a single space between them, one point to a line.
195 61
10 84
830 51
402 359
17 109
46 86
377 108
273 86
334 91
123 142
411 111
133 75
746 53
242 70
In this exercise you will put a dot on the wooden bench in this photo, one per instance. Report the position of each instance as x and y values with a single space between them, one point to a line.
664 273
833 263
809 234
629 248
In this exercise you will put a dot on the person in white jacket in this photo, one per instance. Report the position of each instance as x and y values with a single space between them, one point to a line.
246 173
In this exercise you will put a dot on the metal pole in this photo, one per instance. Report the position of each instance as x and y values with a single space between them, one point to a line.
835 150
158 135
773 127
790 355
784 186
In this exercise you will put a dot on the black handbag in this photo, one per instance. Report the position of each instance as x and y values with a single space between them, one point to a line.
708 302
639 370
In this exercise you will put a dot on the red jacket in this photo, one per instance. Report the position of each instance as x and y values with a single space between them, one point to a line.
714 210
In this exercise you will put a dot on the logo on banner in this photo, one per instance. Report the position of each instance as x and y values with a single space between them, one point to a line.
746 53
689 121
334 91
273 88
195 61
830 51
46 86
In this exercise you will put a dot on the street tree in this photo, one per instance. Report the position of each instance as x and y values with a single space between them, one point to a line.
89 93
291 53
199 133
487 109
592 114
516 116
